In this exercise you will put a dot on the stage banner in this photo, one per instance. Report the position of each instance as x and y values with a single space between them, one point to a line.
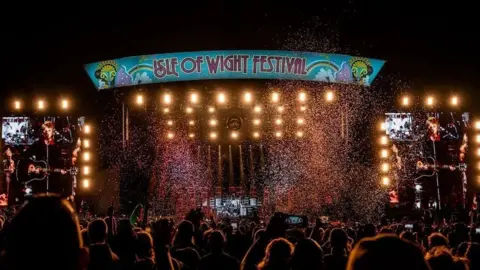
250 64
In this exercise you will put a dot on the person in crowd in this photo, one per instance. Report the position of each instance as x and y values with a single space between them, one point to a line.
307 255
101 256
339 250
277 255
217 258
145 252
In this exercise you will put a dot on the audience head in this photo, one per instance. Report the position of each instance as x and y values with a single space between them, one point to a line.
437 240
307 254
97 231
277 254
216 241
144 245
386 251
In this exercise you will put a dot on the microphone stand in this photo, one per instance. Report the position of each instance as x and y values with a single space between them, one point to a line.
48 168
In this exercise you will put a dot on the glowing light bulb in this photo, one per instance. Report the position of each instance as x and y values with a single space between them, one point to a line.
302 96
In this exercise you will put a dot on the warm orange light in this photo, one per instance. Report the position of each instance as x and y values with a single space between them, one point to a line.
86 156
41 104
213 122
170 135
303 108
384 140
278 121
247 97
384 153
405 101
278 134
167 99
166 110
430 101
194 98
299 134
86 183
257 109
383 126
87 129
17 105
385 167
234 135
65 104
211 109
256 122
189 110
477 125
329 96
86 170
139 99
385 181
280 109
300 121
302 96
256 134
213 135
191 135
454 101
170 122
221 98
191 123
275 97
86 143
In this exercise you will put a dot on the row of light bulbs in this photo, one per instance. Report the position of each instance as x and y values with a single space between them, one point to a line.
86 157
430 101
213 135
41 104
221 98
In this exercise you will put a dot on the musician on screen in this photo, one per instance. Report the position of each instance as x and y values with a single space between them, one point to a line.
46 163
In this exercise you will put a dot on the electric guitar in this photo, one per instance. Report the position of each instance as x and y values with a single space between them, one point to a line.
37 170
421 166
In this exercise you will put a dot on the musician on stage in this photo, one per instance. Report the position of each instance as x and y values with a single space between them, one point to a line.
49 150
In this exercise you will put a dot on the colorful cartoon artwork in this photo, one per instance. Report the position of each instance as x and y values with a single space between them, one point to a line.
210 65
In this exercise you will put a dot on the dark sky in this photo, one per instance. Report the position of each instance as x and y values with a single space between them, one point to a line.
430 45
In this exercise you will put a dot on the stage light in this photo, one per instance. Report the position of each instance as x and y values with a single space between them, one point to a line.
303 108
478 166
234 135
213 122
191 135
213 135
300 121
211 109
257 109
41 104
430 101
477 138
191 123
87 129
418 187
278 134
17 104
221 98
385 167
478 152
385 181
329 96
384 140
189 110
454 101
256 134
384 153
275 97
302 96
299 134
86 156
86 183
405 101
280 109
247 97
170 122
383 126
170 135
166 110
256 122
86 143
65 104
139 99
477 125
194 98
86 170
167 99
278 121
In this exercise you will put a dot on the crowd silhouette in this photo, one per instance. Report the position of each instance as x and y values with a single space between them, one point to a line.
46 233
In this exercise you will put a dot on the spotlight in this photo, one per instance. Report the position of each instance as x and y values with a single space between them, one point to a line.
454 101
65 104
384 140
41 104
302 96
86 170
385 181
86 183
478 152
477 138
166 110
139 99
221 98
86 156
247 97
86 143
256 122
303 108
430 101
257 109
278 121
234 135
256 134
191 135
278 134
405 101
299 134
170 122
213 122
191 123
170 135
418 187
167 99
275 97
87 129
211 109
383 126
194 98
280 109
384 153
300 121
17 105
477 125
189 110
385 167
478 166
329 96
213 135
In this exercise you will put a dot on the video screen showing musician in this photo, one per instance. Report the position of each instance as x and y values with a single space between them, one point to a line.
47 151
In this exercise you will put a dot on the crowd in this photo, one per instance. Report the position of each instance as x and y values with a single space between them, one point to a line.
46 233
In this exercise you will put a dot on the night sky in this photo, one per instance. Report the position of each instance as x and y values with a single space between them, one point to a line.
430 46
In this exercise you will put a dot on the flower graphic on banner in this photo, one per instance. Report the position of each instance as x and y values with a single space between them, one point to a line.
325 75
142 78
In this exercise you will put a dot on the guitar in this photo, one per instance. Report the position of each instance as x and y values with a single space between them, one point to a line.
37 170
421 166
